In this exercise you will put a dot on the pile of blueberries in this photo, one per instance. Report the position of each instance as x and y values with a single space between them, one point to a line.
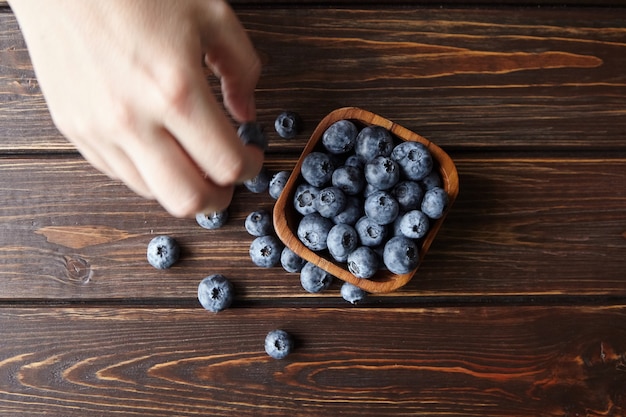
367 199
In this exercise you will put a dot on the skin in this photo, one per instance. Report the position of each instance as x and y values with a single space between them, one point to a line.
124 82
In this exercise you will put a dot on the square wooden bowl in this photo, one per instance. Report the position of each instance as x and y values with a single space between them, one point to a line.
286 217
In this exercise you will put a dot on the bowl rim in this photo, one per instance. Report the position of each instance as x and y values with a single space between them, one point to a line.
383 281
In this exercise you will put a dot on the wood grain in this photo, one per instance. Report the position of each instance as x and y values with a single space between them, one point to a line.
473 361
496 78
527 226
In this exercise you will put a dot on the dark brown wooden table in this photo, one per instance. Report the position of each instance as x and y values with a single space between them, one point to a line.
519 308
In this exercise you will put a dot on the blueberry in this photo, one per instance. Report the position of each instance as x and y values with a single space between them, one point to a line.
342 239
435 202
381 207
340 137
314 279
313 231
349 179
213 220
432 180
401 255
259 223
277 184
288 124
265 251
215 293
414 159
290 261
351 212
354 161
373 141
252 133
304 198
260 182
330 201
409 195
382 172
370 232
163 252
363 262
278 344
317 169
352 294
414 224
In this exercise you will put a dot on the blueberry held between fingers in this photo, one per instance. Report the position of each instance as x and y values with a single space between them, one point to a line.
435 202
401 255
259 223
213 220
265 251
352 294
252 133
278 344
340 137
314 279
163 252
288 124
215 293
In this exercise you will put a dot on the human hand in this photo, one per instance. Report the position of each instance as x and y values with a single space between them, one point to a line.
124 82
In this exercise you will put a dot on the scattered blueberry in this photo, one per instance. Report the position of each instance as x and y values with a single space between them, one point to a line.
314 279
259 223
401 255
252 133
313 231
373 141
342 240
288 124
163 252
382 172
414 224
371 233
260 182
213 220
352 294
330 201
304 198
290 261
349 179
215 293
409 195
278 344
277 183
363 262
317 169
340 137
435 202
265 251
381 207
414 159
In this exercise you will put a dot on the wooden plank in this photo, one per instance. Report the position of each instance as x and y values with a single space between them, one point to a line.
525 226
478 78
472 361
